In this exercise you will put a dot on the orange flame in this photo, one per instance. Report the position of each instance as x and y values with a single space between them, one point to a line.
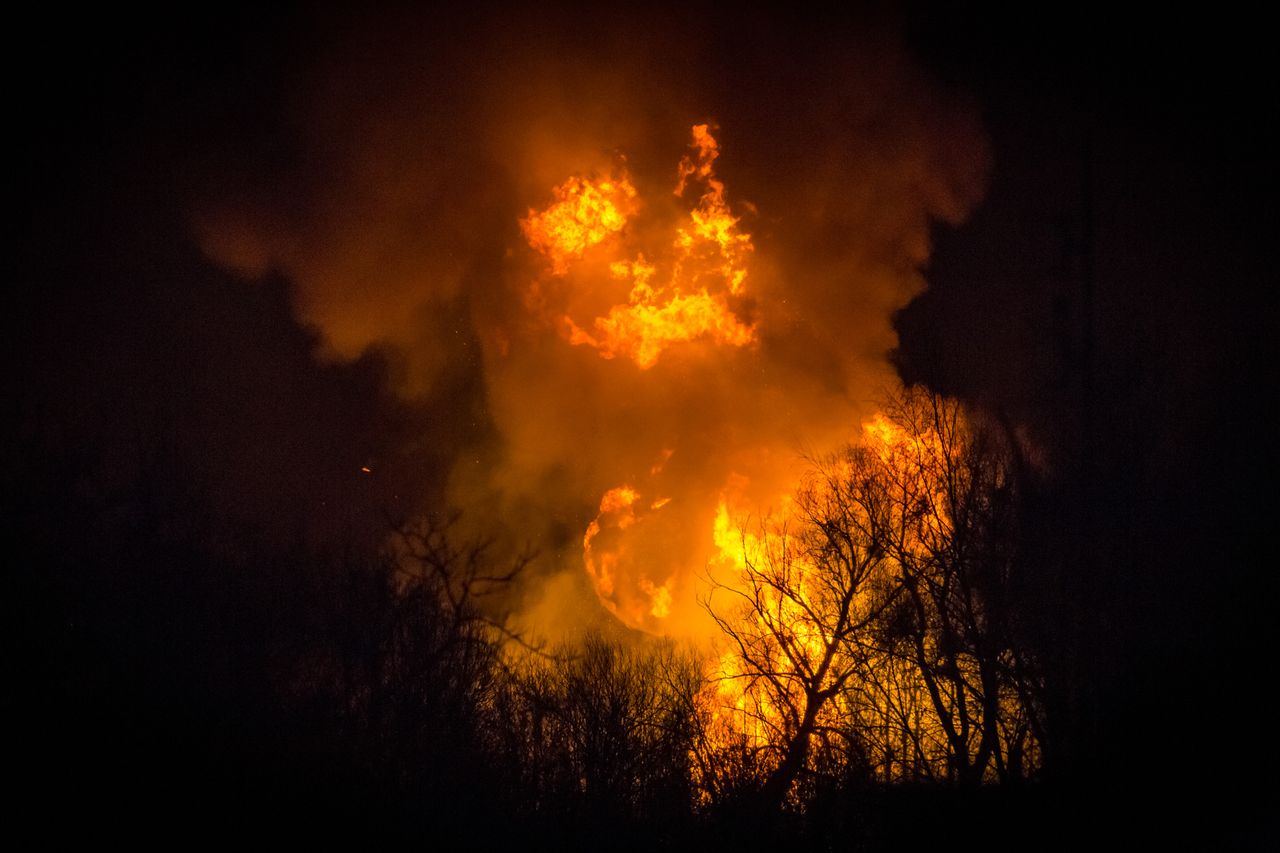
617 513
712 223
584 214
705 265
746 713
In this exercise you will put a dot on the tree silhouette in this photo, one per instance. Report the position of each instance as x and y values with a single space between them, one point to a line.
601 736
947 504
806 595
875 623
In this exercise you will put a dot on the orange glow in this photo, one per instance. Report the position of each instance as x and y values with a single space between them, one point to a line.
891 442
634 602
700 166
659 598
916 461
584 214
657 467
749 709
643 331
617 499
779 601
681 297
590 310
711 221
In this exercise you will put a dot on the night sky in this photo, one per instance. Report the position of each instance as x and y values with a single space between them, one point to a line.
258 252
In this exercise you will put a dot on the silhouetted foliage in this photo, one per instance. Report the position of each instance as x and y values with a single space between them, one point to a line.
872 632
601 736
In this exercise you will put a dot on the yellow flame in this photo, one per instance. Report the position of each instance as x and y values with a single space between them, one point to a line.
916 459
584 214
643 331
711 221
704 267
745 711
917 455
700 166
618 498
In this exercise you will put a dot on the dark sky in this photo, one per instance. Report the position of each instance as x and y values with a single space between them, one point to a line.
1112 293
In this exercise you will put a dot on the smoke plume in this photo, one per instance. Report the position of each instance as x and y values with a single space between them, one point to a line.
417 161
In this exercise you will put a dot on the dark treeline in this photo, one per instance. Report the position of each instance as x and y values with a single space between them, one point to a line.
182 662
173 673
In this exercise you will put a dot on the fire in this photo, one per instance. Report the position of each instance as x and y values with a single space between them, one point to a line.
639 604
695 289
620 312
914 459
659 598
792 607
712 222
749 708
642 331
617 503
783 600
707 152
884 435
584 214
896 446
618 499
737 548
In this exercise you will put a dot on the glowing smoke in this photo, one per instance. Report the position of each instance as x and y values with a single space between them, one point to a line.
688 347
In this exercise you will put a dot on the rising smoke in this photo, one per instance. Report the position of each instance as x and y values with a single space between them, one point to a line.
416 149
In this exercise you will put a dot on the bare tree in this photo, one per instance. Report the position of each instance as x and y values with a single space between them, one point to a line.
402 665
804 598
949 528
874 622
603 732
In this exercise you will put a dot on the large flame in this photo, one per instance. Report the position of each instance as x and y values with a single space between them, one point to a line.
918 461
685 294
749 710
584 214
635 594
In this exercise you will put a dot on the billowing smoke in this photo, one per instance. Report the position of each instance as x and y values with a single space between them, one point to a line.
421 159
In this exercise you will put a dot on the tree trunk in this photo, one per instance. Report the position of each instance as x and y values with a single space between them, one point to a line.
778 785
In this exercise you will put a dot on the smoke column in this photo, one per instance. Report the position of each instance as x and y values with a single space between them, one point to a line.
769 199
